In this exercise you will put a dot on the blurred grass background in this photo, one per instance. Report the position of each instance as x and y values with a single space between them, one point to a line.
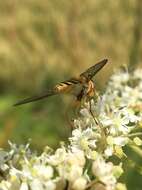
46 41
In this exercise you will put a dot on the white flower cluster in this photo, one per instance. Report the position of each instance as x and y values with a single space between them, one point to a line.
101 132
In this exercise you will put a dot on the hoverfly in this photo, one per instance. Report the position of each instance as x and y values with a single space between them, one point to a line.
81 87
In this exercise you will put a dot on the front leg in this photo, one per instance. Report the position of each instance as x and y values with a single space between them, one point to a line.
78 101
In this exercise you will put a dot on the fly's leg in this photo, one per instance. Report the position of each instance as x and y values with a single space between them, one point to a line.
78 101
66 186
99 124
90 110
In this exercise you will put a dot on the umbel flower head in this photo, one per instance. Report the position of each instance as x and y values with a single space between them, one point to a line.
99 134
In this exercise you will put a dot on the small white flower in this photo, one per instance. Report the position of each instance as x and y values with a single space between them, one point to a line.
120 124
15 182
44 172
84 139
24 186
58 157
5 185
137 74
50 185
79 184
120 77
75 172
36 185
76 158
121 186
131 95
85 112
130 115
70 173
121 141
110 182
104 172
108 151
100 168
76 134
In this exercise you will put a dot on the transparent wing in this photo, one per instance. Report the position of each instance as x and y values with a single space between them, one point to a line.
59 88
89 73
66 85
35 98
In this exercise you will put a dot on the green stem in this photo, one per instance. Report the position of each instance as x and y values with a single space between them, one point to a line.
135 134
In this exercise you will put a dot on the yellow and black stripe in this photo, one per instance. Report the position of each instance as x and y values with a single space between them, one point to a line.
66 85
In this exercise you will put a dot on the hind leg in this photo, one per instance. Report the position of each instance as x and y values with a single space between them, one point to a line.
91 112
98 123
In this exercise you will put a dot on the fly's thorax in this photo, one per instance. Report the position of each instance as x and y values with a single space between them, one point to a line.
90 89
77 88
83 80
